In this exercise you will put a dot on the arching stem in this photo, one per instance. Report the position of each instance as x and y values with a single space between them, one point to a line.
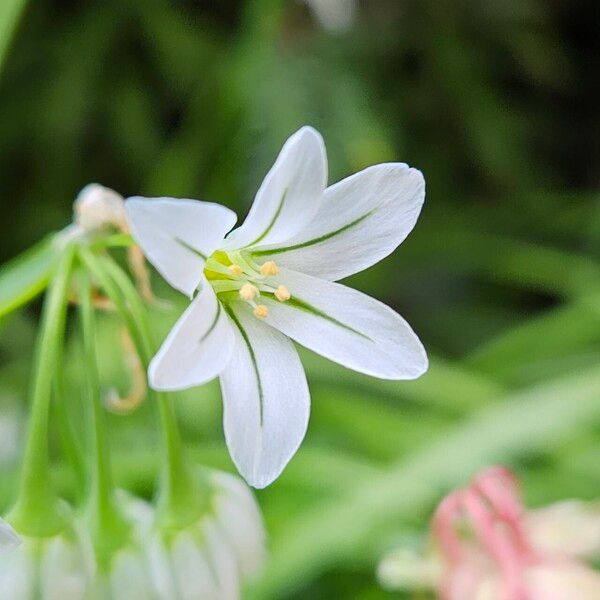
182 496
109 529
38 510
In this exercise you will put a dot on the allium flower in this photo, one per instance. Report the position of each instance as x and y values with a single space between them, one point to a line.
271 279
56 567
488 546
206 559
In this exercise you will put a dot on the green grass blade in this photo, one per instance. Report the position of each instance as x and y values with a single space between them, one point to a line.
26 275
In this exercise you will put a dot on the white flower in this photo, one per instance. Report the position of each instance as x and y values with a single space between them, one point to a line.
334 15
207 559
58 567
271 279
8 537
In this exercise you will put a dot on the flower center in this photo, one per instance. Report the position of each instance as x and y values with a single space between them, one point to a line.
234 276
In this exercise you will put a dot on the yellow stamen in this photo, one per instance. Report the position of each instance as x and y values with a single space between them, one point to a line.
248 292
261 311
269 269
235 270
282 293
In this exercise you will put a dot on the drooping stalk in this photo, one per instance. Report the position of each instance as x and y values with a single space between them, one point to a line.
38 510
71 445
181 495
109 529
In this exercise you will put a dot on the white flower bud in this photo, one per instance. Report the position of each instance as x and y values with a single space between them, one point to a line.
98 207
60 566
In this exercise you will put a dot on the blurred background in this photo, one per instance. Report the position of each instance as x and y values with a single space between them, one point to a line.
496 102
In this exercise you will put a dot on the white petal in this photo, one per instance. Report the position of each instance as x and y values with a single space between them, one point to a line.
17 573
222 559
160 568
8 537
62 571
197 348
192 570
177 236
130 577
563 581
238 515
265 397
290 194
347 327
569 528
362 220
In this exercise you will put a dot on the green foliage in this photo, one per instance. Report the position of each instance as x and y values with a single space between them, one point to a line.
501 277
27 275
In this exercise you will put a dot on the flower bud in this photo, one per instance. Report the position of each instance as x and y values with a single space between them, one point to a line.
98 207
59 566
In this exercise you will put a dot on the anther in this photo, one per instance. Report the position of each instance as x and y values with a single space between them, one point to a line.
282 293
248 292
235 270
269 269
261 311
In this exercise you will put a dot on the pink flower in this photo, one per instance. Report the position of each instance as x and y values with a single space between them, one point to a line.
494 557
488 546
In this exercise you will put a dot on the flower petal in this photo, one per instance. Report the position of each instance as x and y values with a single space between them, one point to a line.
562 581
177 236
265 397
362 219
290 194
130 577
192 571
197 348
8 537
347 327
222 559
18 577
63 571
238 515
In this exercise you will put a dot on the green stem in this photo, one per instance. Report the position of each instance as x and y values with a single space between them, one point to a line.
109 528
71 446
182 496
37 510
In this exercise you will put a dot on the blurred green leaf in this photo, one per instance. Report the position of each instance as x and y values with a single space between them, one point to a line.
10 12
26 276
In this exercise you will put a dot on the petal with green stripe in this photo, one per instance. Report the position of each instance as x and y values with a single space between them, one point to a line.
290 194
266 402
362 219
177 236
347 327
197 348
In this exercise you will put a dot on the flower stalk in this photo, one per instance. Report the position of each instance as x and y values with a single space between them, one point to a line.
181 496
109 529
38 511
